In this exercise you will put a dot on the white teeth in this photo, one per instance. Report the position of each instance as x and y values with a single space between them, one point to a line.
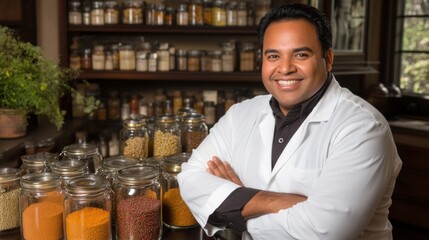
287 82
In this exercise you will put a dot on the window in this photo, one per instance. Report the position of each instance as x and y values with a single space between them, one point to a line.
413 50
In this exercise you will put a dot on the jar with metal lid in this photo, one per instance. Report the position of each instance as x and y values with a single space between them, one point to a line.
142 61
97 13
159 14
134 138
111 12
181 60
132 12
219 13
194 60
37 162
127 57
68 169
231 14
75 13
176 213
87 208
112 165
41 206
88 153
98 58
247 57
195 11
138 203
194 130
182 112
153 62
86 59
182 15
166 136
163 57
9 199
242 14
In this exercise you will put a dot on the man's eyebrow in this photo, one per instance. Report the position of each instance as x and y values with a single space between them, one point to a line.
271 51
301 49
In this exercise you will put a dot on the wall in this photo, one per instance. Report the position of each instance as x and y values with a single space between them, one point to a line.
47 27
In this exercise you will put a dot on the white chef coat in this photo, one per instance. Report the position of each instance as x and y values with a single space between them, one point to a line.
342 158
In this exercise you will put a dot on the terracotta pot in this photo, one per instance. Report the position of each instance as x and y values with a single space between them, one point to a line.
13 123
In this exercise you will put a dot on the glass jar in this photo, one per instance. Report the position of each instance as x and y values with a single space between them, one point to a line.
182 15
86 60
68 169
113 106
75 62
166 136
86 13
163 57
112 165
193 60
142 61
172 54
195 11
181 60
134 138
138 203
210 113
242 14
9 199
97 13
87 208
216 61
41 206
231 14
153 62
132 12
127 57
108 63
159 14
194 130
219 13
150 14
111 13
150 125
208 11
247 57
262 7
176 213
88 153
98 58
75 13
228 59
37 162
169 16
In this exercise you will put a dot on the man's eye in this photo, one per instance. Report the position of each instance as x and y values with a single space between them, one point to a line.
301 55
272 56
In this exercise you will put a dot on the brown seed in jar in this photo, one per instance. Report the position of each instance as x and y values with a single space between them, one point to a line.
165 144
136 147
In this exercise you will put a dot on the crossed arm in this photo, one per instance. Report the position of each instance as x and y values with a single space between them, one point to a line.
263 202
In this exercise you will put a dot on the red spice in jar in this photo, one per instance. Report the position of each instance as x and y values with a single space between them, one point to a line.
139 218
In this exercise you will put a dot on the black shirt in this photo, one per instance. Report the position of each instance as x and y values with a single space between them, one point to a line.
229 212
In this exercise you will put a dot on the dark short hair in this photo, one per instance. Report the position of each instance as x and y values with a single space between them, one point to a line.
297 11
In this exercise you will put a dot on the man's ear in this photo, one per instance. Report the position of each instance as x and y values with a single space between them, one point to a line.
329 59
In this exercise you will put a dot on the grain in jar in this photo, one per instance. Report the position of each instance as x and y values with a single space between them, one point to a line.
134 138
163 57
138 201
75 14
193 60
167 136
242 14
247 57
98 58
159 14
176 214
231 14
127 57
195 10
41 206
132 12
219 13
97 13
111 12
9 199
181 60
88 208
182 15
194 130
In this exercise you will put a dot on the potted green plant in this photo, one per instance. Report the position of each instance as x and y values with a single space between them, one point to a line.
30 82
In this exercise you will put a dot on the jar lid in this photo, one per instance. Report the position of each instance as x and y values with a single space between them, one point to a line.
167 118
43 181
88 184
80 149
193 118
39 159
116 163
8 174
69 167
138 175
134 122
174 163
152 161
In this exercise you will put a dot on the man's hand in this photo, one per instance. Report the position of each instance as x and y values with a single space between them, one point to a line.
223 170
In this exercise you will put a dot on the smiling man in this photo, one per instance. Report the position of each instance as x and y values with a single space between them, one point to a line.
308 161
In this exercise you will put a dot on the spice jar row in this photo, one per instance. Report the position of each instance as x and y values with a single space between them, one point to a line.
219 13
134 198
162 57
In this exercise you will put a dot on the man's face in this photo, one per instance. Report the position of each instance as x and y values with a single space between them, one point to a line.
293 65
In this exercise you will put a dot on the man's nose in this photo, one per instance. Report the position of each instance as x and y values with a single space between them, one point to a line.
286 65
